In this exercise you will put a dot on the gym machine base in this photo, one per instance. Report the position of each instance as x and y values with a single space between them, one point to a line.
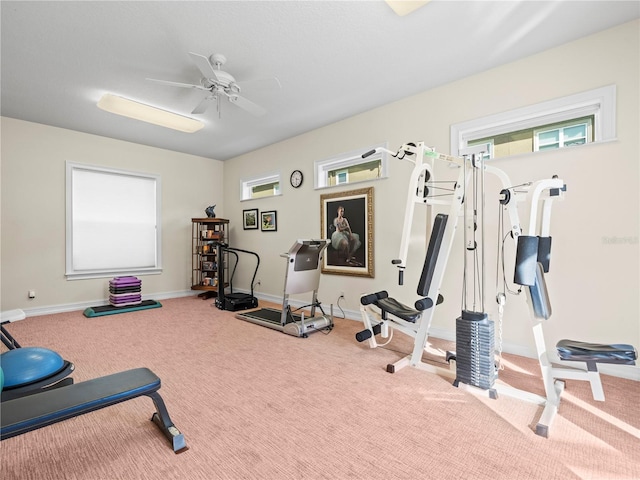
304 264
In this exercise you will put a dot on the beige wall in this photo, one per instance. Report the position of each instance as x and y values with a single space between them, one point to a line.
33 212
593 282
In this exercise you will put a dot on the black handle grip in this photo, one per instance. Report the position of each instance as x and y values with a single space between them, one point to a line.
369 153
401 277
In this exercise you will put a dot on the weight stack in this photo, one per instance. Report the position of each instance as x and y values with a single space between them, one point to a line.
475 363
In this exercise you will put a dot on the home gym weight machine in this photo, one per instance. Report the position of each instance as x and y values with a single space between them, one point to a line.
415 322
532 260
304 265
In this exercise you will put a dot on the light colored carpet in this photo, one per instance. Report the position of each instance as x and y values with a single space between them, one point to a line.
254 403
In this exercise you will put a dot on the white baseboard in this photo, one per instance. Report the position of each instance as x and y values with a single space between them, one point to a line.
72 307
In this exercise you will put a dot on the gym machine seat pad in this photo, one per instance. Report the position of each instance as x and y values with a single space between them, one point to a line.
596 352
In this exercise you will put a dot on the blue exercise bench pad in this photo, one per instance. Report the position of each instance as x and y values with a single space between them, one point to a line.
39 410
111 310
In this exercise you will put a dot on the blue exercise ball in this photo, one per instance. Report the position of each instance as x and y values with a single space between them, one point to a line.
29 364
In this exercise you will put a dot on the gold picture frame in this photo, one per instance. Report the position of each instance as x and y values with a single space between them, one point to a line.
350 234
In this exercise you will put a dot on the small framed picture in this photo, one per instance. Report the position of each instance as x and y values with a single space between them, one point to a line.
268 221
250 219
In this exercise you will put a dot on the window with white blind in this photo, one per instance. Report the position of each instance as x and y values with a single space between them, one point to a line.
112 222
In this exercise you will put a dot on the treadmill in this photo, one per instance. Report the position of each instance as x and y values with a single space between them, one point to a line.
304 265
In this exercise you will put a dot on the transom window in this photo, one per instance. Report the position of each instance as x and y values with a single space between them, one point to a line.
545 137
262 186
350 167
564 122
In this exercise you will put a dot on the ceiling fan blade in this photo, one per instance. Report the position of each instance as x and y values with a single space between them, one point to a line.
177 84
247 105
203 105
204 65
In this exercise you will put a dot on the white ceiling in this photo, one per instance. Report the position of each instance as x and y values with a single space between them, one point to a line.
334 59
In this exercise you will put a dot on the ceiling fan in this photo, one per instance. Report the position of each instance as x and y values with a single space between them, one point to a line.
219 84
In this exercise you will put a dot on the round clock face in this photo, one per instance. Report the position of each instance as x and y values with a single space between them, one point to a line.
296 178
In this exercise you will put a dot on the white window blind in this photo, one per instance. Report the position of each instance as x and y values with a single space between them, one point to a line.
113 222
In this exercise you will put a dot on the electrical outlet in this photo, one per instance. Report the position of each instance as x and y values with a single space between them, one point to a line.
32 294
341 295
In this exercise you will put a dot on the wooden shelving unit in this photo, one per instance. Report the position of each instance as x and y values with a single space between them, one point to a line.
205 232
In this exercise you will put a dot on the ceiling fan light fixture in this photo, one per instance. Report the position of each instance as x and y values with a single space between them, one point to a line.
146 113
405 7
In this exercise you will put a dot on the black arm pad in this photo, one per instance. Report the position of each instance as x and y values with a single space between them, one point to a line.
424 304
372 297
526 260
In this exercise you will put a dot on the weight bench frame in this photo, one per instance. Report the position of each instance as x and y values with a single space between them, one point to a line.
24 414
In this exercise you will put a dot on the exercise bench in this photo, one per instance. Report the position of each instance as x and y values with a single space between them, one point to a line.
31 412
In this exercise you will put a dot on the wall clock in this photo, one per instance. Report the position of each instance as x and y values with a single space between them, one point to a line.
296 178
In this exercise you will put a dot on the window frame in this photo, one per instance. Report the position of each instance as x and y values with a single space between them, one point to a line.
71 270
599 102
321 168
247 184
561 135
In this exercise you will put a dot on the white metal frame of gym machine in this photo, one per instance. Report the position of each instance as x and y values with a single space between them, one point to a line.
417 193
545 191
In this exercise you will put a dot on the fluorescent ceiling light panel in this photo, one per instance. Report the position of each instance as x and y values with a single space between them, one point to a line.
404 7
145 113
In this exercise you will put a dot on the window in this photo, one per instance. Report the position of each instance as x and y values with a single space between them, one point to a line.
351 168
112 222
544 137
574 120
337 177
577 132
265 185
